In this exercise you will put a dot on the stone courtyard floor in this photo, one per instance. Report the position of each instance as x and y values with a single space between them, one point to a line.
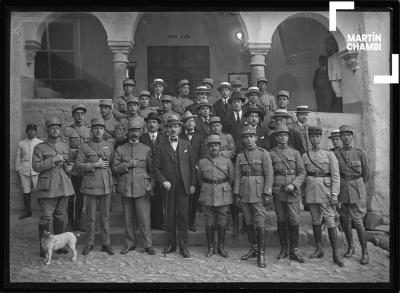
99 267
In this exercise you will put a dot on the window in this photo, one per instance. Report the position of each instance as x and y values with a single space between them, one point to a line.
59 58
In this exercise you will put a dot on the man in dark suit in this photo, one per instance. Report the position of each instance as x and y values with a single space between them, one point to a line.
201 93
222 106
253 117
204 111
158 86
174 167
153 138
190 134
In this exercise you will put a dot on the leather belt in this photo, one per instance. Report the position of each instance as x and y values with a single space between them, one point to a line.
284 172
318 174
350 176
252 173
215 181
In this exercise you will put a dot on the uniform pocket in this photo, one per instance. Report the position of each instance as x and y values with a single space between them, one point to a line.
147 179
43 183
260 186
327 181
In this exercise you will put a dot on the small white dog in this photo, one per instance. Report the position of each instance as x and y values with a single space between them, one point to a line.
51 242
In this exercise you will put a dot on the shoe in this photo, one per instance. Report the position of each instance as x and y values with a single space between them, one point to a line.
87 249
261 247
62 250
362 237
210 240
150 250
283 240
251 236
332 232
108 249
170 249
318 253
294 241
348 232
127 249
221 242
184 252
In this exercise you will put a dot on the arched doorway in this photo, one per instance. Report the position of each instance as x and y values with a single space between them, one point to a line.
75 61
296 45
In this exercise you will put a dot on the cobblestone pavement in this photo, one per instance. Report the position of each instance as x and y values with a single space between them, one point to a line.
27 266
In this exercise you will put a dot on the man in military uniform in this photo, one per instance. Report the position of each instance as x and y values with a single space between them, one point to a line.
158 86
289 175
167 111
321 192
253 95
201 94
76 135
222 106
133 163
335 138
144 106
109 121
182 101
283 103
121 132
253 116
302 126
228 148
252 191
51 159
266 98
120 103
215 176
354 173
94 161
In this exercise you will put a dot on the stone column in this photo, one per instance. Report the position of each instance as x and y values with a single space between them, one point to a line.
258 51
121 50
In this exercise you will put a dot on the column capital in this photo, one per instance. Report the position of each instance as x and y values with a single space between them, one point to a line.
351 58
31 48
259 48
120 47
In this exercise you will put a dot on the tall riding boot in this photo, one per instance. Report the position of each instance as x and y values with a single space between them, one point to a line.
348 232
317 229
235 220
27 205
42 228
251 235
58 228
210 240
283 240
71 209
261 247
294 243
332 232
362 237
221 242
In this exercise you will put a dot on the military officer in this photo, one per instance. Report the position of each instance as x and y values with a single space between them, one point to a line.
94 161
109 121
144 108
266 98
354 173
158 87
120 103
289 175
133 163
182 101
52 160
121 132
321 191
252 191
215 176
76 135
335 138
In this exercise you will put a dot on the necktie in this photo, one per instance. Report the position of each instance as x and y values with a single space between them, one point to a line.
237 118
173 139
190 133
153 138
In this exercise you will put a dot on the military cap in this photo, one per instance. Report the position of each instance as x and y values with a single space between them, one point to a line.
202 89
314 130
79 106
166 98
53 121
202 103
144 93
224 84
158 81
248 130
334 133
214 119
173 119
281 113
346 128
262 78
153 116
132 99
97 121
213 139
187 116
183 82
210 81
280 129
283 93
108 103
128 81
302 109
252 89
135 124
253 109
237 95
